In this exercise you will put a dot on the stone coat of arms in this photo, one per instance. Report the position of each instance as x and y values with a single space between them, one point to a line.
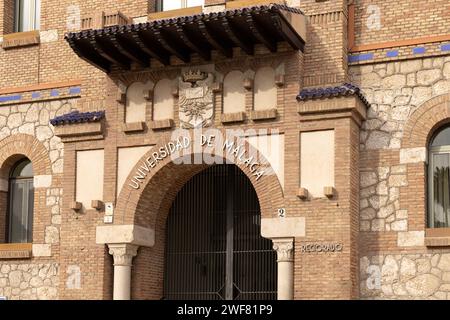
196 99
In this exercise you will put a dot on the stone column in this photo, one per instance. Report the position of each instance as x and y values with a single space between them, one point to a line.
285 253
123 255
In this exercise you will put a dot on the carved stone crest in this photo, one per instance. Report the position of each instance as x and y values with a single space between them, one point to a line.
196 99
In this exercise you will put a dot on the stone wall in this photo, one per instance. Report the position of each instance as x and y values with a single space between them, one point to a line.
29 281
34 278
33 119
391 268
380 208
395 90
412 276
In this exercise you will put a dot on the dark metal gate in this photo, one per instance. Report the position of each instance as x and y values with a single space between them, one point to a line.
214 246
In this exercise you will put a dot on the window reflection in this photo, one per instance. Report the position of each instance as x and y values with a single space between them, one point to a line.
166 5
439 180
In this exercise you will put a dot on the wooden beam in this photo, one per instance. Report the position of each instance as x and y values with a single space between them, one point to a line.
107 51
170 45
236 37
219 45
193 43
130 50
90 57
288 34
259 33
151 49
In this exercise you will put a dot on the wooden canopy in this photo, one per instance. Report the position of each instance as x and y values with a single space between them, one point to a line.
180 37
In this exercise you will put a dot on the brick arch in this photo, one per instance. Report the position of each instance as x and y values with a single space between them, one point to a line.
149 207
12 149
155 196
425 120
17 146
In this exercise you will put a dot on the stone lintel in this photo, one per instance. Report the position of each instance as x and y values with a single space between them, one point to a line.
125 234
43 181
42 250
411 239
273 228
413 155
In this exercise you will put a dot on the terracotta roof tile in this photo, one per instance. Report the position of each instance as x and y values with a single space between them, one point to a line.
78 117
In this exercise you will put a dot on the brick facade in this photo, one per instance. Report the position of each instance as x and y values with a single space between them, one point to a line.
377 211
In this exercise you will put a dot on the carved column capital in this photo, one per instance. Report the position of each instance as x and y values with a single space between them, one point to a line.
123 253
284 248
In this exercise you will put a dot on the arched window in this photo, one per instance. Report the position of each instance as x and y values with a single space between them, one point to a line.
439 179
21 200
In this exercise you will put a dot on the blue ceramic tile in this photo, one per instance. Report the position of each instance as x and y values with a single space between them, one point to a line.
35 95
419 50
445 47
10 98
392 54
75 90
360 57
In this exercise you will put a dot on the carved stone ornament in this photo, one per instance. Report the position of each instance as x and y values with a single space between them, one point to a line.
196 99
123 253
284 249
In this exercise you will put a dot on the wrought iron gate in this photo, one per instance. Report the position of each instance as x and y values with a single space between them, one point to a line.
214 249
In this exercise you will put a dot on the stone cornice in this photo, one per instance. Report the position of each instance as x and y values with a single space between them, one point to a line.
125 234
339 107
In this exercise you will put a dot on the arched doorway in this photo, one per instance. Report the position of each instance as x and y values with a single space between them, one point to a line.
214 249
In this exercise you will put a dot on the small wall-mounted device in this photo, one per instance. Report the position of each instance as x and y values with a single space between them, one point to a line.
109 213
109 209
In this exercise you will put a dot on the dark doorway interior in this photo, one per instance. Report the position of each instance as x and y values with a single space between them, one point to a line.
214 246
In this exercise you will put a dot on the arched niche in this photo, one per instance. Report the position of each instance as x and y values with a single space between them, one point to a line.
136 102
163 103
265 90
233 92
